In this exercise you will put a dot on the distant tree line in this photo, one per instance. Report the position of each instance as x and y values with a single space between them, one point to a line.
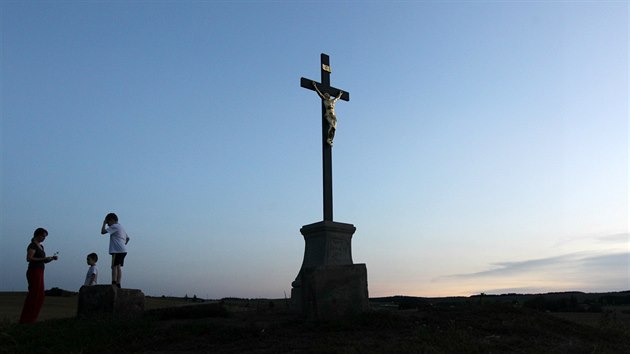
59 292
193 299
553 302
572 304
565 304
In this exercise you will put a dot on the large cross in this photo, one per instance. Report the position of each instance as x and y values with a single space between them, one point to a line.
324 87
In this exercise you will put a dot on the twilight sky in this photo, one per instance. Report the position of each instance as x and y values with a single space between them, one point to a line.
484 148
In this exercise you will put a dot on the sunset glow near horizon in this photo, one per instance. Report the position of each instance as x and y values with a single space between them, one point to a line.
484 148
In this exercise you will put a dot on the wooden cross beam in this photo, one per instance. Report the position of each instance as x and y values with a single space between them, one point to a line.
324 87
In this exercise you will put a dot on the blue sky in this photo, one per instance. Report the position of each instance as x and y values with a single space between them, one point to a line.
484 148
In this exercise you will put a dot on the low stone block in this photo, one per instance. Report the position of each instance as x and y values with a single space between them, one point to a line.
329 292
99 300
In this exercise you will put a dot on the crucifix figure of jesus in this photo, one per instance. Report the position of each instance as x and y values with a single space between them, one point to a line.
329 105
329 96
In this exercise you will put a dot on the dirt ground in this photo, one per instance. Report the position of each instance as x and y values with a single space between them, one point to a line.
265 326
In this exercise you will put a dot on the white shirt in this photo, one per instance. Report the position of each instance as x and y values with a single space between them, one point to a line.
117 239
88 277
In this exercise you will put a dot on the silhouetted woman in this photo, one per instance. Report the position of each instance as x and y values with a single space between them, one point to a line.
36 258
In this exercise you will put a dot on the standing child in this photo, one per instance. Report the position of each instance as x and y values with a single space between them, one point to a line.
92 273
117 240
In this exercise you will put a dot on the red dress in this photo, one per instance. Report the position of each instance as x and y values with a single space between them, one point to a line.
35 277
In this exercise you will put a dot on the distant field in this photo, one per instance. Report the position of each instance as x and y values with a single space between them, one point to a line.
608 314
63 307
56 307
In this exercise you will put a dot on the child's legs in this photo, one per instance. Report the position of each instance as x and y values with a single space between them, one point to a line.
117 263
116 275
115 270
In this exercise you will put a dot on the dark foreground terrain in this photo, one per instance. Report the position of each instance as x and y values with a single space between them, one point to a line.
266 327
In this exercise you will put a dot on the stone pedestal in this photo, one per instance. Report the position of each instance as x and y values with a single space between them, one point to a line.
327 243
329 285
99 300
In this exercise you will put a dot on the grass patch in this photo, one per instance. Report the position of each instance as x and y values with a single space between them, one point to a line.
466 328
189 312
72 335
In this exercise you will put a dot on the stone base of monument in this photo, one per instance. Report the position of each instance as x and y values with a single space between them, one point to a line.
100 300
330 292
329 285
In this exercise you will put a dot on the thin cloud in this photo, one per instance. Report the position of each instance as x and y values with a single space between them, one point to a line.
614 262
610 239
609 261
615 238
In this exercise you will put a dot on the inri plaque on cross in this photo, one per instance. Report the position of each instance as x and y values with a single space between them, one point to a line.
329 96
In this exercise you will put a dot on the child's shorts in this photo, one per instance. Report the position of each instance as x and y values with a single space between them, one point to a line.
118 259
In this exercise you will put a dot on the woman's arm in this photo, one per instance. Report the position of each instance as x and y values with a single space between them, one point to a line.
30 257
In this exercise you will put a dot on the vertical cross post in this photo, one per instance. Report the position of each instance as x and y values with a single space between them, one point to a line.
324 87
326 148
